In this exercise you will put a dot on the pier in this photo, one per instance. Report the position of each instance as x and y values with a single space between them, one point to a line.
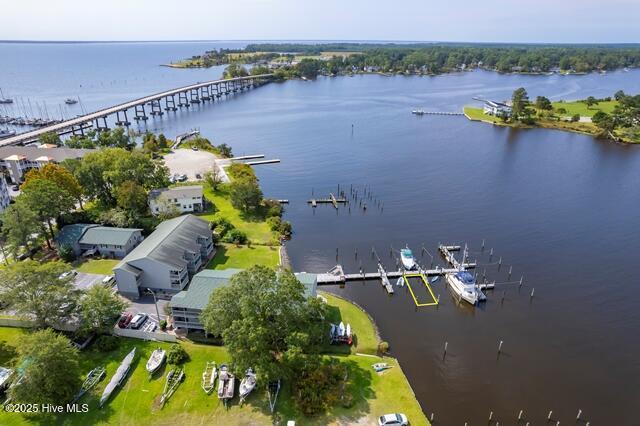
187 95
331 200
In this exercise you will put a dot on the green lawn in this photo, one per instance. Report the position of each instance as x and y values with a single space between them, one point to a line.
96 266
580 108
477 114
137 402
243 257
255 227
366 339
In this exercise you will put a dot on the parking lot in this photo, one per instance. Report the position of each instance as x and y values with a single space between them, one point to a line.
84 281
145 305
189 162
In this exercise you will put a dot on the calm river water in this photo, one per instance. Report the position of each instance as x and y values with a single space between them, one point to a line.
563 209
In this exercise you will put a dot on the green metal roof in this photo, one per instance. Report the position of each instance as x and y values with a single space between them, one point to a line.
202 285
196 296
70 234
107 235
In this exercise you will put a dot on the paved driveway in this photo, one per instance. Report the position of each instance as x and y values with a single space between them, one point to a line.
189 162
145 305
84 281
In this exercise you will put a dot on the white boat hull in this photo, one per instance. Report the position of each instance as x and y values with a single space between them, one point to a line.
463 292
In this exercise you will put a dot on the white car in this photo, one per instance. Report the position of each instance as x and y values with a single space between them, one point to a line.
71 273
138 320
395 419
108 280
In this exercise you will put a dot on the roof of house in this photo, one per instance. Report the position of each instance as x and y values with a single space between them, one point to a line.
41 153
71 234
107 235
177 192
196 296
202 285
168 243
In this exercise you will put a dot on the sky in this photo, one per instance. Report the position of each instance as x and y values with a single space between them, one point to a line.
540 21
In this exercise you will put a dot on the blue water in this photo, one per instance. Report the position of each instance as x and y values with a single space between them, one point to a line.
562 208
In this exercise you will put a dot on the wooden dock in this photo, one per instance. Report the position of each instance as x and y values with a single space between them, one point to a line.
331 200
385 279
257 163
337 275
447 252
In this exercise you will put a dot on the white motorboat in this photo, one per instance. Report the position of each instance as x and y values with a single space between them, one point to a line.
226 383
341 329
408 261
380 366
247 384
209 377
418 112
155 360
118 377
464 286
70 101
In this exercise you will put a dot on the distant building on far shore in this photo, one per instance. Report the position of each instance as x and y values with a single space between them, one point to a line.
497 109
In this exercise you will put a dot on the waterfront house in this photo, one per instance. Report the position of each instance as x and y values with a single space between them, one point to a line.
89 239
16 161
166 259
183 199
187 305
497 109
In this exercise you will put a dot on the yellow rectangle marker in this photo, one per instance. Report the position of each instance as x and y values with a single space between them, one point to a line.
426 284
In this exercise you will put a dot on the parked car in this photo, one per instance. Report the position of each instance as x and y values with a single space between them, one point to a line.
16 187
198 176
182 178
71 273
194 148
125 320
395 419
108 279
138 320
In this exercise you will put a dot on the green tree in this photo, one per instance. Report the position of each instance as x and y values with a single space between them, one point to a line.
50 370
37 291
48 201
213 178
225 150
99 308
619 95
19 225
245 194
132 198
51 138
543 103
58 175
605 122
102 172
265 319
519 100
163 143
590 101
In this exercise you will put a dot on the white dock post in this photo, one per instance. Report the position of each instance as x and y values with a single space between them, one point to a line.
579 414
520 415
549 416
500 347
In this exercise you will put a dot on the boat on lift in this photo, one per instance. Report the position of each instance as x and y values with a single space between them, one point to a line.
408 261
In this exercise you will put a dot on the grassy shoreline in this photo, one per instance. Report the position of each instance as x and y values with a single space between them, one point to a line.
137 401
585 128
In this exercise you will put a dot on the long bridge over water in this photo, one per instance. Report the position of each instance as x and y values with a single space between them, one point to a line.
187 95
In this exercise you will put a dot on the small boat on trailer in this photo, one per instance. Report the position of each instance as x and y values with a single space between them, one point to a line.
226 383
92 379
247 384
155 360
209 377
119 377
174 377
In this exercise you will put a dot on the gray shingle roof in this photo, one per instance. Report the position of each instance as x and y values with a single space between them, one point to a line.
70 234
177 192
170 240
107 235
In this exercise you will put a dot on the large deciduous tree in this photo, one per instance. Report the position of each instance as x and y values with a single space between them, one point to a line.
48 200
132 198
519 102
20 226
58 175
37 291
99 308
264 319
102 172
50 371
